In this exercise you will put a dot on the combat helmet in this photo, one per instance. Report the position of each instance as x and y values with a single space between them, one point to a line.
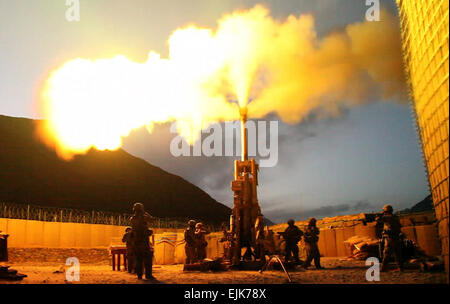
138 208
191 223
388 208
312 221
291 222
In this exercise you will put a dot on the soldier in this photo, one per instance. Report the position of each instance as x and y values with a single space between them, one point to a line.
189 238
130 254
227 239
200 232
140 240
311 238
391 237
292 235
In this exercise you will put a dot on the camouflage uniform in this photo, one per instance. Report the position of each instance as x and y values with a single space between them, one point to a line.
189 238
140 240
130 253
228 240
311 238
292 236
390 237
200 232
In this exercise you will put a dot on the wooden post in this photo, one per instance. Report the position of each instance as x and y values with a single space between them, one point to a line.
28 212
113 254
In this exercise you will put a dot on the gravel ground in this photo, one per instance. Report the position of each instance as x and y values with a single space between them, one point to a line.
41 264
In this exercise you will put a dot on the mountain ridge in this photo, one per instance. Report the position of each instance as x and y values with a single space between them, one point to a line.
30 172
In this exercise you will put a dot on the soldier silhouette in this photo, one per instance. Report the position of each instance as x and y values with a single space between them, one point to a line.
391 237
292 235
200 233
140 241
189 238
127 239
311 238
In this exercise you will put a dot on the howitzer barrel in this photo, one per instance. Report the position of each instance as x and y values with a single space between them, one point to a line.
244 145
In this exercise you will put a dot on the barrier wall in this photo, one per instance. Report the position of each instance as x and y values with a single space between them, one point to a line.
331 241
39 234
169 245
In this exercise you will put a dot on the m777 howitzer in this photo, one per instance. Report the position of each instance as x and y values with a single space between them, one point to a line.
246 221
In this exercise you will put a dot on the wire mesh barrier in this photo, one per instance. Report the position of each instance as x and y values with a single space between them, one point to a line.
55 214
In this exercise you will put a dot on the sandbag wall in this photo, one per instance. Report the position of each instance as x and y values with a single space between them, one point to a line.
421 228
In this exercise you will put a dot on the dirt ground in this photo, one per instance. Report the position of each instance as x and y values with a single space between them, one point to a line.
46 266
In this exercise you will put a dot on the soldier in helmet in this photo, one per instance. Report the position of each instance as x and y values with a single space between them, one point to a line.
189 238
130 252
200 239
143 251
391 237
311 238
292 235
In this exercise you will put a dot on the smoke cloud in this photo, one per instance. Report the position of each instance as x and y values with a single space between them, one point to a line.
269 66
301 73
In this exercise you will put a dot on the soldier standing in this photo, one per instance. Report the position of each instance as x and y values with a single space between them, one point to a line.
391 237
189 238
292 236
140 240
227 239
130 254
311 238
200 233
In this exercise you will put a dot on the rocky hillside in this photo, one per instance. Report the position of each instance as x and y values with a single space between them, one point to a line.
100 180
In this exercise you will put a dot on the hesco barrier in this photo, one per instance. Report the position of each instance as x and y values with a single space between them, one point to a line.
39 234
420 228
424 27
169 243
